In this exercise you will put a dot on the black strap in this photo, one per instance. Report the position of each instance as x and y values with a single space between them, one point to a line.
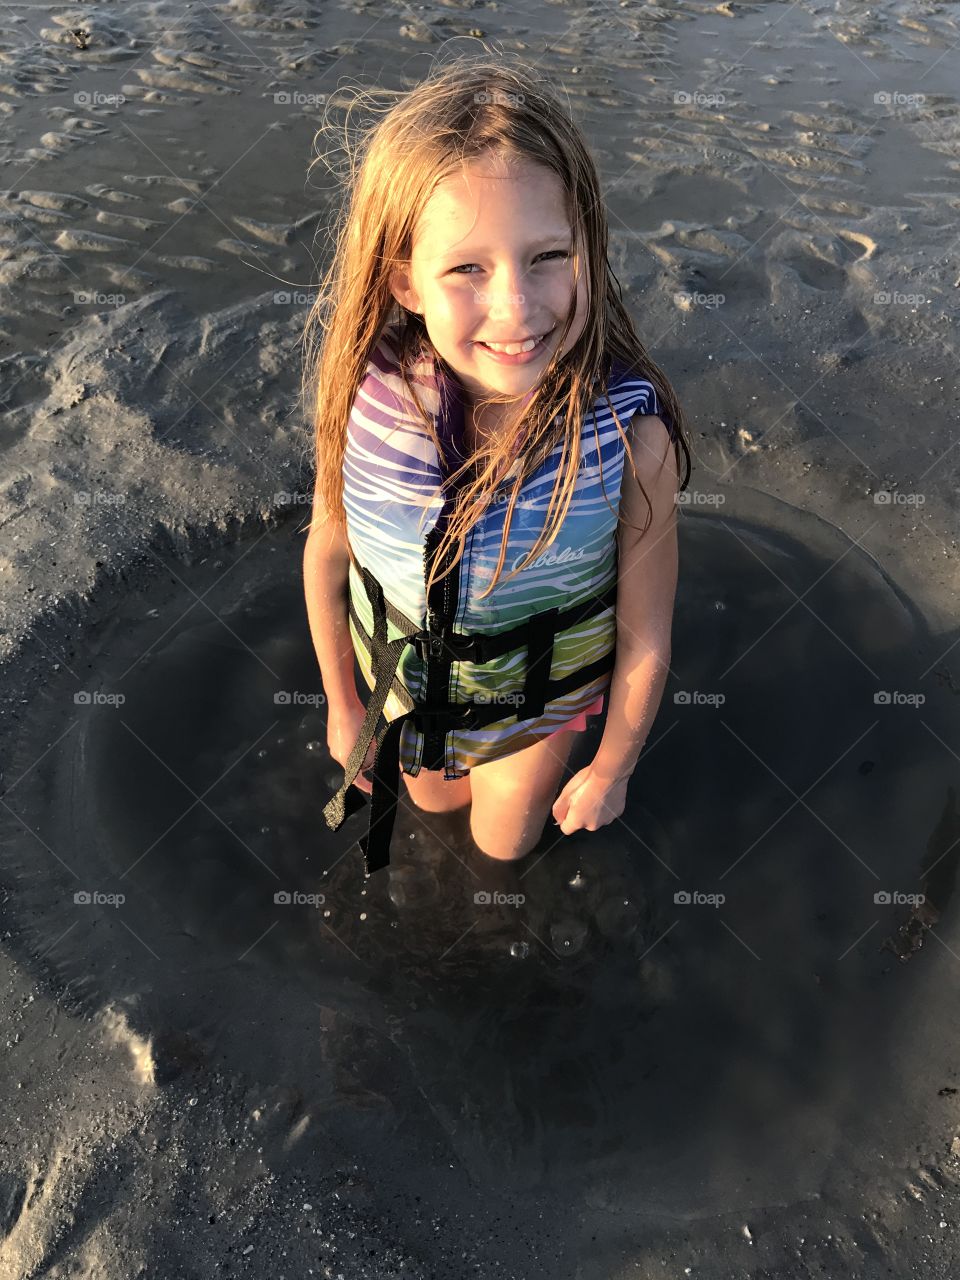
537 633
386 659
540 632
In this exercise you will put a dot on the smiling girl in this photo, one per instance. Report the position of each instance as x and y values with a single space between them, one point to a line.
478 541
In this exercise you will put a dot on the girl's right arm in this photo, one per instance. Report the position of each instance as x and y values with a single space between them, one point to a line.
326 565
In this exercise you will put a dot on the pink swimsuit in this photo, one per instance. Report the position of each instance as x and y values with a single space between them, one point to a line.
580 721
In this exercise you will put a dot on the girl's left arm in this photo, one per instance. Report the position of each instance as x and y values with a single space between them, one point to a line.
647 583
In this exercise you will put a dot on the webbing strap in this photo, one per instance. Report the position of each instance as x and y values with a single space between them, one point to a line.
386 659
542 628
537 633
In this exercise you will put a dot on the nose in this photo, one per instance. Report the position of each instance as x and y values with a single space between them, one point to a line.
508 299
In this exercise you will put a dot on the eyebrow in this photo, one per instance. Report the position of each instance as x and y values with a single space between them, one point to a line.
479 252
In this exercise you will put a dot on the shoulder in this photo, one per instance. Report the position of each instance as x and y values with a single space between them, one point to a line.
653 478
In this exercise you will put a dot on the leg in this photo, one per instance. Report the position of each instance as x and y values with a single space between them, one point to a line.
512 797
432 793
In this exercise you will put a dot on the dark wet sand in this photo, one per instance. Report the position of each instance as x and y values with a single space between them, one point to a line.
602 1081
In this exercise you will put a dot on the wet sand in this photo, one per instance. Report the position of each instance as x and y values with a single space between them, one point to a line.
700 1044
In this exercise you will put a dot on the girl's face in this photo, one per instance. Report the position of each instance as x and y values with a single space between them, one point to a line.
492 261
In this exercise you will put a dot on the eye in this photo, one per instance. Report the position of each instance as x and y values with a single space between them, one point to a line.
551 253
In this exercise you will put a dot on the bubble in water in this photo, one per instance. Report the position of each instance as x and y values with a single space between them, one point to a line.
261 753
520 950
578 883
618 917
568 936
313 745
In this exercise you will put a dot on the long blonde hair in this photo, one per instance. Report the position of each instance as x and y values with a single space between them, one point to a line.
465 109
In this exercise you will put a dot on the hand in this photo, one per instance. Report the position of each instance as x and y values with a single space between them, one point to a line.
343 730
590 800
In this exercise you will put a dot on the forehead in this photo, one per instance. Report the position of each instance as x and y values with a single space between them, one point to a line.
489 202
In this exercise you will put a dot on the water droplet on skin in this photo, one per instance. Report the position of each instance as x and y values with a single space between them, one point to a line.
520 950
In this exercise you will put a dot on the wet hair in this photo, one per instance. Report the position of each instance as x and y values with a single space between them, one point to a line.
470 108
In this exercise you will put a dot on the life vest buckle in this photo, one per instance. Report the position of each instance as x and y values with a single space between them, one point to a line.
443 643
453 715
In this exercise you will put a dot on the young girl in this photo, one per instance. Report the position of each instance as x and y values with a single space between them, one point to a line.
477 541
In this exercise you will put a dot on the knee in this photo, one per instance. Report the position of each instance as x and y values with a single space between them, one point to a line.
505 840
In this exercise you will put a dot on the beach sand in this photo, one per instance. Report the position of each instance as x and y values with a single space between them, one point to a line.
701 1044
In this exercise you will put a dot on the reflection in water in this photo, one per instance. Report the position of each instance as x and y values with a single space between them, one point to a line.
690 1010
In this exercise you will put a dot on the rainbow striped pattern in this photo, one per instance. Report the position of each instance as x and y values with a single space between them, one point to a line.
392 477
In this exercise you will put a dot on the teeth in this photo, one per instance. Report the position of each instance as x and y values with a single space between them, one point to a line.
513 348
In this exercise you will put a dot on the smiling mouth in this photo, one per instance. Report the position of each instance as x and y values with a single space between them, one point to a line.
516 348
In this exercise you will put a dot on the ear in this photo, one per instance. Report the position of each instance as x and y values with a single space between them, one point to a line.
401 286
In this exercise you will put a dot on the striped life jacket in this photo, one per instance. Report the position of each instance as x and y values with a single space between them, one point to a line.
459 680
